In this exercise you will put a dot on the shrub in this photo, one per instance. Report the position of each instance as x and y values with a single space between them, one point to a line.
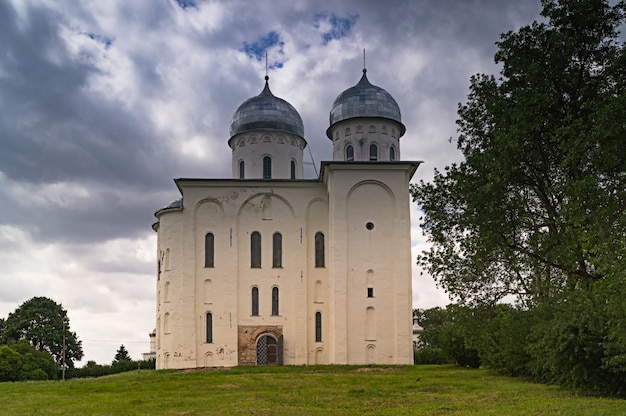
430 355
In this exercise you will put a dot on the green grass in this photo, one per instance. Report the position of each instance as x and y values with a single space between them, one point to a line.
314 390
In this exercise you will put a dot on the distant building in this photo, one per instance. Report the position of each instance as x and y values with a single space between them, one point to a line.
152 354
271 268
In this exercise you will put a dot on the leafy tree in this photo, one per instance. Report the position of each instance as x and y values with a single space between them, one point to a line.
10 363
451 331
20 361
536 209
432 320
537 206
38 365
121 354
44 323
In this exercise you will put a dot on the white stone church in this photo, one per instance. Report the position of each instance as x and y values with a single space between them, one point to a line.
269 268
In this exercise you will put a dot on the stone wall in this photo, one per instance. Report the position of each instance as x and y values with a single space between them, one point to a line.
247 337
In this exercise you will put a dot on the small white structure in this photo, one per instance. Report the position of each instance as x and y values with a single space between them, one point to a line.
152 354
272 268
417 331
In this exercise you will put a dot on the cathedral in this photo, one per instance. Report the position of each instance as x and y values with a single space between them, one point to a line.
270 268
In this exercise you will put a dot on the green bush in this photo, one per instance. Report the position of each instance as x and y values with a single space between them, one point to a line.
92 369
431 355
21 362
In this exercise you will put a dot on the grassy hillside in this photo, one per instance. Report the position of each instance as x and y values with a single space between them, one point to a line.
333 390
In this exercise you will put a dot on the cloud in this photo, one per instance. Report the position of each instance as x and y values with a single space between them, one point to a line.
184 4
333 27
102 104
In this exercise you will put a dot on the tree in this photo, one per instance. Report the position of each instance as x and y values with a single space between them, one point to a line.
537 206
46 326
536 210
20 361
121 354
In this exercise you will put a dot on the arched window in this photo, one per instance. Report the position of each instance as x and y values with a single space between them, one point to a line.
267 167
275 301
318 327
277 250
166 292
166 323
392 153
293 169
319 249
209 328
255 301
208 292
349 153
209 250
242 169
370 324
255 250
373 152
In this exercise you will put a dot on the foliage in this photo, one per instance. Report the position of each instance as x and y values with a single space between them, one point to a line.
430 355
504 338
20 362
536 209
451 330
537 205
121 354
44 323
92 369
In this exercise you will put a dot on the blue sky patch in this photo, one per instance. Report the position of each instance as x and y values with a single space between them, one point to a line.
333 26
105 40
263 44
187 3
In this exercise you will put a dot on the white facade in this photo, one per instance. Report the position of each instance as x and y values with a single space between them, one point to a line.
285 270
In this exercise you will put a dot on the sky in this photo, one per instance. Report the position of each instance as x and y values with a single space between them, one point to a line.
104 103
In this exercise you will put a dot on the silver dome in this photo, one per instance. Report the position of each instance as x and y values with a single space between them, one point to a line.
364 100
266 112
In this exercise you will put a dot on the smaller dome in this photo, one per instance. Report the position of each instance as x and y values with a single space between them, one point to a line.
266 112
364 100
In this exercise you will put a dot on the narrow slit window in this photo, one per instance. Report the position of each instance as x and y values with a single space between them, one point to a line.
349 153
293 169
209 250
209 328
392 153
373 152
277 250
242 169
267 167
319 250
318 327
275 301
255 301
255 250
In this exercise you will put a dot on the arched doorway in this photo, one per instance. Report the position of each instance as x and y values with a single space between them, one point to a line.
269 350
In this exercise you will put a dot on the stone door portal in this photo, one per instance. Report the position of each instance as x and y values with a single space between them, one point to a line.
268 350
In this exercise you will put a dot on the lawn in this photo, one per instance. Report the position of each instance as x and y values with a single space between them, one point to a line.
313 390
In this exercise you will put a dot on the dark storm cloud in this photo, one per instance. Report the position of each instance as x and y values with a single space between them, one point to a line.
52 129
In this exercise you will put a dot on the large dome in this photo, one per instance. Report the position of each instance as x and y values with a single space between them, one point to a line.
364 100
266 112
